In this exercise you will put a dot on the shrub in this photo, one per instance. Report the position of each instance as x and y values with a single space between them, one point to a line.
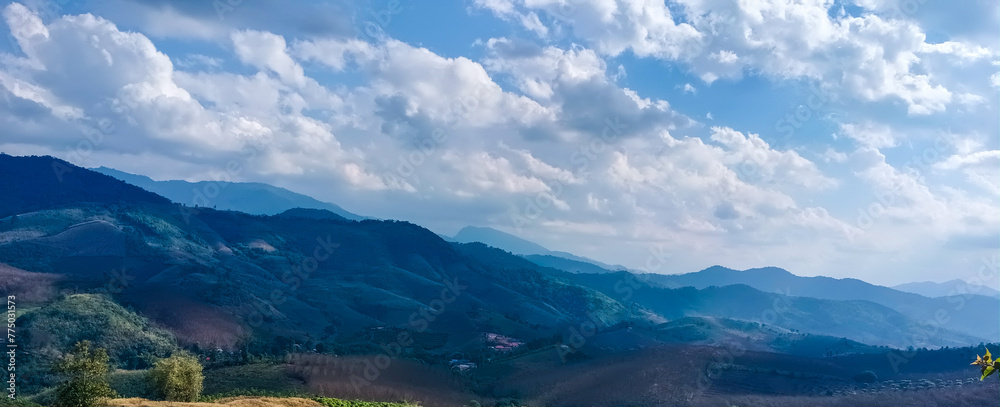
177 378
88 377
6 402
132 384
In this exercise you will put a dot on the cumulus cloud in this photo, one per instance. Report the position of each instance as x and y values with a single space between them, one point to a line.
537 135
872 56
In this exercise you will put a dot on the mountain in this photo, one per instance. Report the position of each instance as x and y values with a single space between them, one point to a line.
273 284
498 239
566 264
531 250
947 288
308 213
249 197
963 313
30 183
226 278
858 320
757 336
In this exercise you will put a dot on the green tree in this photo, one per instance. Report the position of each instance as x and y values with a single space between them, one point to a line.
177 378
87 372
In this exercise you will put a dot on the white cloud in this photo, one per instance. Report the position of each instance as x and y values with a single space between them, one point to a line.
869 134
958 161
545 125
871 57
831 155
335 53
754 159
192 61
267 51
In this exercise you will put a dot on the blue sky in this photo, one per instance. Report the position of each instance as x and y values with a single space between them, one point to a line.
851 139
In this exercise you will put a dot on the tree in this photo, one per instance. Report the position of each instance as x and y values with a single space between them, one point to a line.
177 378
88 377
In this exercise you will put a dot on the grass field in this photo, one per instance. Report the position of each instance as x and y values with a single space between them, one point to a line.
253 377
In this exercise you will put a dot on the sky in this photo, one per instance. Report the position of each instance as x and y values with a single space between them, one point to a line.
842 138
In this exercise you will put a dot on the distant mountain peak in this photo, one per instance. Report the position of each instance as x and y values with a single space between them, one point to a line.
943 289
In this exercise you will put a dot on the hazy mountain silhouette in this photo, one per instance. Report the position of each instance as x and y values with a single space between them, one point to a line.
498 239
859 320
535 252
249 197
947 288
566 264
963 314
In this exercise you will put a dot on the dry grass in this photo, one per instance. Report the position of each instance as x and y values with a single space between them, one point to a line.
232 402
30 287
357 378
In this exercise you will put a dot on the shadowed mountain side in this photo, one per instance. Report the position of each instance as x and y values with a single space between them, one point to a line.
31 183
961 313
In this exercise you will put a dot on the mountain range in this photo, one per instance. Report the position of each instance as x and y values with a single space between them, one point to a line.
229 279
947 288
962 313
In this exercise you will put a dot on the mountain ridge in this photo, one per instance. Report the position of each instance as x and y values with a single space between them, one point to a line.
255 198
947 288
520 246
964 317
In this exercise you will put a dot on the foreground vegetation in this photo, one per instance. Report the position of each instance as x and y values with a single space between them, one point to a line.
85 381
